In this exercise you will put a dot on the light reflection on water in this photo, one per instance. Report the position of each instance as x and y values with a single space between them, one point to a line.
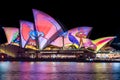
59 71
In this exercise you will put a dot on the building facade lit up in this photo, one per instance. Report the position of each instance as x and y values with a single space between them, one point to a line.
45 34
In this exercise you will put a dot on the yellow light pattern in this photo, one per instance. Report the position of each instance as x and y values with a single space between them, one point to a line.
100 42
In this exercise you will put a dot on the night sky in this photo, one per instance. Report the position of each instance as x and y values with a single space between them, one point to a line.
103 17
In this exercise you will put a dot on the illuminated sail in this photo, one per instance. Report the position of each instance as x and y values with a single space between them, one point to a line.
100 42
46 25
25 29
16 37
11 33
89 44
58 42
84 30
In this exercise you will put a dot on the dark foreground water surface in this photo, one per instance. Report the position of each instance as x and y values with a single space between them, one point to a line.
59 71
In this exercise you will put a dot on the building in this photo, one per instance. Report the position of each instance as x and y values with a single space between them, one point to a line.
47 37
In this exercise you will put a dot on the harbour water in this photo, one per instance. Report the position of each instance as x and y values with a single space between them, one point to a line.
59 71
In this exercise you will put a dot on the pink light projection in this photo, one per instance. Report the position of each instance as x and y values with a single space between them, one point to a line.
89 44
10 33
84 30
58 42
25 28
48 26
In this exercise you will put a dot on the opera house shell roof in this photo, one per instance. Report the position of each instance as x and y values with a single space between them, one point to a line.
45 31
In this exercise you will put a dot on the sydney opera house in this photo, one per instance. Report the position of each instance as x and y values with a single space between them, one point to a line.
45 36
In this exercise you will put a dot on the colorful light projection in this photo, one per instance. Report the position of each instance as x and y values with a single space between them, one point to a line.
72 32
60 41
100 42
48 26
27 33
16 38
73 39
89 44
11 33
75 46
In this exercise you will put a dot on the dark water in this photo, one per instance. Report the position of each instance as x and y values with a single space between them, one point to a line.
59 71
